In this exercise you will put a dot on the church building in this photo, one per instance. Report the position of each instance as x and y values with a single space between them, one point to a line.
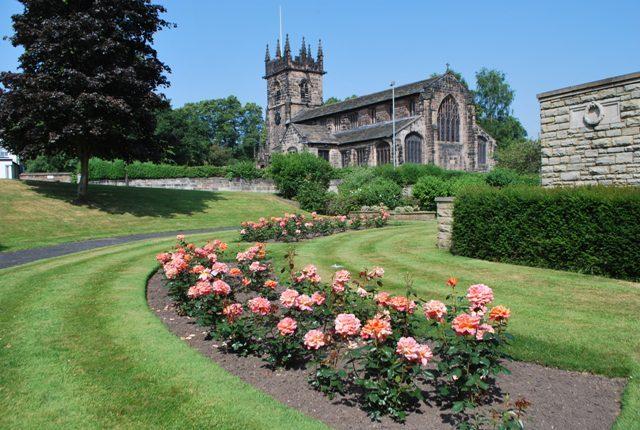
434 119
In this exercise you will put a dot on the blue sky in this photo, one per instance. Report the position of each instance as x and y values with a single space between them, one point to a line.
218 47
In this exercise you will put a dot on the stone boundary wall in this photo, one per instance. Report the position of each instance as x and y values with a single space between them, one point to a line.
591 133
47 177
444 214
407 216
202 184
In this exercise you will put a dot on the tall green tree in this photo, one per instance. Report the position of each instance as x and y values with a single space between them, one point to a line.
334 100
493 97
88 81
211 131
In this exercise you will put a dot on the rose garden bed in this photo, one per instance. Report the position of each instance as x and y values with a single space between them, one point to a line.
295 227
431 364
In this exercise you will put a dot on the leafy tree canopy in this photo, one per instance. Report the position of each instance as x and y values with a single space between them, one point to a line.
493 97
87 83
334 100
211 131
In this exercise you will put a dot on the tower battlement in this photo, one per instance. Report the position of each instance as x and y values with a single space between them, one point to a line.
303 62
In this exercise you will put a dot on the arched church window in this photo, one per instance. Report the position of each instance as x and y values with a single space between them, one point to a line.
448 120
482 150
277 118
304 91
292 150
413 148
383 153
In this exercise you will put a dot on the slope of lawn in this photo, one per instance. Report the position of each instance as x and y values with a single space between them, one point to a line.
560 319
38 213
80 349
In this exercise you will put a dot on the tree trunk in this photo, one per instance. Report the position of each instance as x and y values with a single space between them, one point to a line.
83 183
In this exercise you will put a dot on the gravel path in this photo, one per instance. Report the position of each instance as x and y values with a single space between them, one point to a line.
16 258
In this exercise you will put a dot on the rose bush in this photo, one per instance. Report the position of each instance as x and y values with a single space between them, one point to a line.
292 227
379 348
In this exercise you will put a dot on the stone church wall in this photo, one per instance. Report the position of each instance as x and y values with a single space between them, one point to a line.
591 133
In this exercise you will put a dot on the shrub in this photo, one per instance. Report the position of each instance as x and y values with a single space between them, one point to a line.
459 184
53 163
312 197
586 229
244 170
356 179
290 171
500 177
378 191
428 188
102 169
339 203
389 172
521 156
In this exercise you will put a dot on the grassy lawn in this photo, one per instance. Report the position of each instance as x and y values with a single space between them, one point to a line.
80 348
560 319
39 213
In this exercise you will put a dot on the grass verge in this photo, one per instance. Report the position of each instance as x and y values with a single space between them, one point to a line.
39 213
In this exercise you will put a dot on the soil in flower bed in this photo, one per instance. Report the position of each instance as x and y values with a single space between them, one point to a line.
559 399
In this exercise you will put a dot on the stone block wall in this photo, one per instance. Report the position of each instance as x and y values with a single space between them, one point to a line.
591 133
444 216
203 184
47 177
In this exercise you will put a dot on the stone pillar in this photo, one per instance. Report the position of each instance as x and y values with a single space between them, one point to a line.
444 214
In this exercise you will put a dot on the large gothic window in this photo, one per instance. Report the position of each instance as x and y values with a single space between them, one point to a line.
362 156
346 157
413 148
304 91
383 153
482 150
448 121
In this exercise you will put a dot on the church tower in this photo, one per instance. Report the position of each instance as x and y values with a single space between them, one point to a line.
293 84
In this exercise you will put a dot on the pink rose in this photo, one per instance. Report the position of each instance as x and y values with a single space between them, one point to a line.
314 339
259 305
287 326
221 288
482 329
288 297
347 324
479 295
435 310
304 302
232 311
318 298
465 324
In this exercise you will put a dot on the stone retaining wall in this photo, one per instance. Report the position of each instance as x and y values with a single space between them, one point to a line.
444 211
47 177
407 216
591 133
203 184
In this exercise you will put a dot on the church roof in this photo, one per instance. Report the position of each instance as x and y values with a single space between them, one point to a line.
319 133
358 102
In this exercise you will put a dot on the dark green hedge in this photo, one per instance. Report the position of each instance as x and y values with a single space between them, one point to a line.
101 169
593 230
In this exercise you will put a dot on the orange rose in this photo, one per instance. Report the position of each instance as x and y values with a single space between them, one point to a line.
499 313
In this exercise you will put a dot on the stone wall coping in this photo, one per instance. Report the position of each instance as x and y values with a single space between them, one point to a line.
46 173
589 85
444 199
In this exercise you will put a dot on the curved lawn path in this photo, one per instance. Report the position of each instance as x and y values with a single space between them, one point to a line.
15 258
560 319
79 348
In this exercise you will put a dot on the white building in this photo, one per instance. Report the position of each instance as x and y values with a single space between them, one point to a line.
9 165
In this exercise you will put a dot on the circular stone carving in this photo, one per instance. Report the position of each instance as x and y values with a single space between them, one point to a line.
593 114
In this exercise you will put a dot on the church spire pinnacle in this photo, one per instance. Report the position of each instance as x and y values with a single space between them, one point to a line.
303 50
267 55
320 53
287 49
278 50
